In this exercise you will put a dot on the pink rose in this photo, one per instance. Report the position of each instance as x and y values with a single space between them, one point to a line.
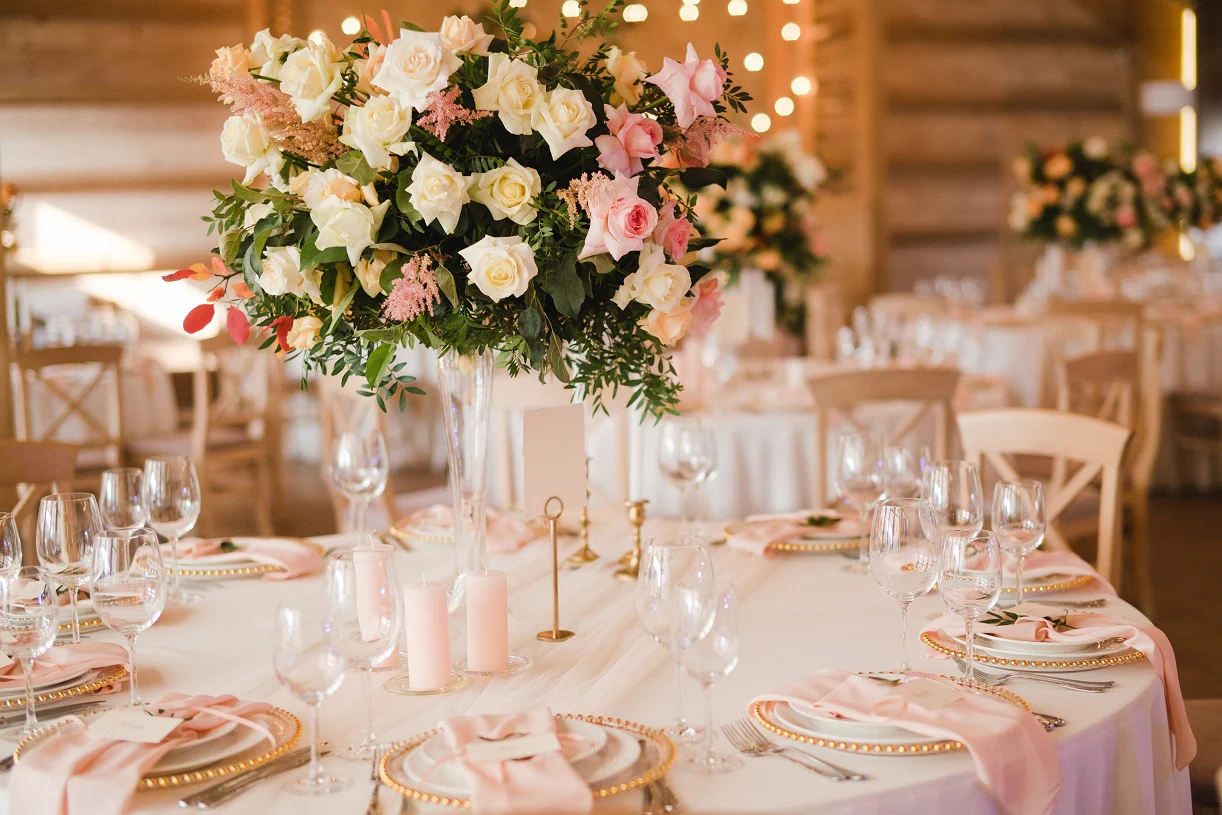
672 233
707 303
1126 217
686 151
691 87
633 137
620 220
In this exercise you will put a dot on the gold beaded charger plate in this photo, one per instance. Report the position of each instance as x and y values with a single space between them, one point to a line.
621 754
944 644
429 525
1046 584
233 564
86 614
817 541
90 681
993 645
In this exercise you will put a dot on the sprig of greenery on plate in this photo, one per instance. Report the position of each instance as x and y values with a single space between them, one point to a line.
1002 617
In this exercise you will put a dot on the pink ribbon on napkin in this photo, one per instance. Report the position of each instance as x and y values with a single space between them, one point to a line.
759 531
1015 759
64 661
540 785
72 773
296 558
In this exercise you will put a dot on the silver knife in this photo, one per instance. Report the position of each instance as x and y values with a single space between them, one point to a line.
664 796
229 788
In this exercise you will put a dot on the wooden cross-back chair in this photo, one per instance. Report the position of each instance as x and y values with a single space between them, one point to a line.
1114 323
1097 446
28 471
842 393
825 314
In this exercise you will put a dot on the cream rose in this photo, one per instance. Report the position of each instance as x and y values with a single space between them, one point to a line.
311 284
366 69
501 267
369 270
377 129
281 270
462 35
256 213
508 192
246 142
304 333
563 119
268 52
438 192
317 187
669 326
415 65
628 71
512 90
347 224
234 59
659 285
311 76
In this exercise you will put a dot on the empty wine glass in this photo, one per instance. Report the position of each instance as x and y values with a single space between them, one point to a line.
904 555
859 480
10 545
360 468
364 617
172 501
970 581
706 660
675 599
901 473
122 498
129 587
1019 522
311 669
68 525
28 622
953 487
687 456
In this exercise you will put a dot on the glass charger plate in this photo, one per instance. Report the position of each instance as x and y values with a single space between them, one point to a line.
239 568
91 682
394 776
999 646
1046 584
944 644
425 526
804 544
18 690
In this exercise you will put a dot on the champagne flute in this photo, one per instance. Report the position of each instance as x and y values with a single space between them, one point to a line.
10 545
360 468
122 499
859 480
28 622
1019 521
706 660
129 587
953 487
172 501
68 525
904 556
687 456
970 581
311 669
901 473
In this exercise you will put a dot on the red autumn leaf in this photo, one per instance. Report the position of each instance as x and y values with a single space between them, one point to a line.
238 325
282 326
181 274
197 319
216 294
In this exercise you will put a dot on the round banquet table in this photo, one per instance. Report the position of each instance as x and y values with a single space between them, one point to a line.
797 614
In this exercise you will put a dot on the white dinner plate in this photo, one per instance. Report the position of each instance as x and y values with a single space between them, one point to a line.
587 739
821 727
224 743
999 646
72 681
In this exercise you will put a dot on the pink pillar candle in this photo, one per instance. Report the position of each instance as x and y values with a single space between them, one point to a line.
426 622
487 621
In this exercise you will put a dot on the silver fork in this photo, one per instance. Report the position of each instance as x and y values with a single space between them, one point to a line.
1084 685
749 741
375 803
1098 602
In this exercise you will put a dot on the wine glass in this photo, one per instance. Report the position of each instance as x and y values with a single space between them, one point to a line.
122 499
859 480
1019 522
129 586
953 487
364 617
706 660
360 468
68 525
904 556
311 669
970 580
28 622
901 473
172 501
10 545
687 456
676 600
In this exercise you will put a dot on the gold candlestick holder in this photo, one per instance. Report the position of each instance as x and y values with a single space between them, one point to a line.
585 554
630 566
555 633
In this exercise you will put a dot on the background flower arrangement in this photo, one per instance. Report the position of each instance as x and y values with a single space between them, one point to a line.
471 191
1196 197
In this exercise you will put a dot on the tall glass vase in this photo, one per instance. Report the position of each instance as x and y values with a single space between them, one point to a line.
466 396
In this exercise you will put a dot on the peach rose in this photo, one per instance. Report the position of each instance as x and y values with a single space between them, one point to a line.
669 326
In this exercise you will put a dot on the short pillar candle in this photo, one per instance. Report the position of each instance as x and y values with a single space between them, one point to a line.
426 622
487 621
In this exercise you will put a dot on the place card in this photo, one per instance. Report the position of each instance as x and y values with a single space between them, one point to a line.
5 660
928 693
553 458
125 724
511 748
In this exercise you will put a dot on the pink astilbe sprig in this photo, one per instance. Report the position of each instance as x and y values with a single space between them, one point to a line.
582 193
690 148
317 142
415 293
444 110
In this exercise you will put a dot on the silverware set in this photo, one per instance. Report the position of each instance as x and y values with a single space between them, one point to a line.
748 740
1002 677
231 787
375 801
660 799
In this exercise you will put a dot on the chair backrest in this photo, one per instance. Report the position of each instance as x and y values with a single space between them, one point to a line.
1114 323
235 387
825 314
28 471
904 306
1097 445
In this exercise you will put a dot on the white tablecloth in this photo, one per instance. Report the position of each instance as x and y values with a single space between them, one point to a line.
798 615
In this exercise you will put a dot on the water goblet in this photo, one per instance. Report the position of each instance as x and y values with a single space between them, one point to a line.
360 469
28 622
901 473
970 581
953 487
904 556
122 498
706 660
10 545
687 456
1019 522
859 480
129 587
172 501
68 525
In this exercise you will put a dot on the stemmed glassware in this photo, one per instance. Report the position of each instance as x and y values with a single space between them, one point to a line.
68 525
676 599
687 456
859 480
706 660
360 468
1019 522
311 669
970 581
901 473
364 617
129 587
953 487
172 501
28 622
10 545
122 498
904 556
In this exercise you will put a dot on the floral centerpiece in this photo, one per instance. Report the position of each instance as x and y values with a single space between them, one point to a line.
470 190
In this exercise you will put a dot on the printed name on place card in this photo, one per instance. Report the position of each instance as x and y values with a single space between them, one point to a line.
132 725
928 694
513 748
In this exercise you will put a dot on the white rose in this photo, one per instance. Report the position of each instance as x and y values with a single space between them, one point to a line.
281 270
415 65
438 192
628 71
246 142
563 119
659 285
311 284
669 326
513 90
233 59
501 267
268 52
317 187
311 76
462 35
1095 147
369 271
256 213
366 69
352 226
377 129
508 192
304 333
626 292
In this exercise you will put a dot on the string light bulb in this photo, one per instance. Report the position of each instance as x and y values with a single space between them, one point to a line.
350 26
791 32
689 13
317 36
760 122
571 8
737 8
801 85
753 61
783 106
791 2
635 13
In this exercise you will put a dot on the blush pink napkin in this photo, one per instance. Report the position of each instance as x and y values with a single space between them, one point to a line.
1092 627
64 661
539 785
759 531
1015 759
297 558
73 773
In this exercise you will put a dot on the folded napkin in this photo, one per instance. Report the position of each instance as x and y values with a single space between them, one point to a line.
1089 627
1045 564
296 558
542 784
1015 759
759 531
72 773
62 662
